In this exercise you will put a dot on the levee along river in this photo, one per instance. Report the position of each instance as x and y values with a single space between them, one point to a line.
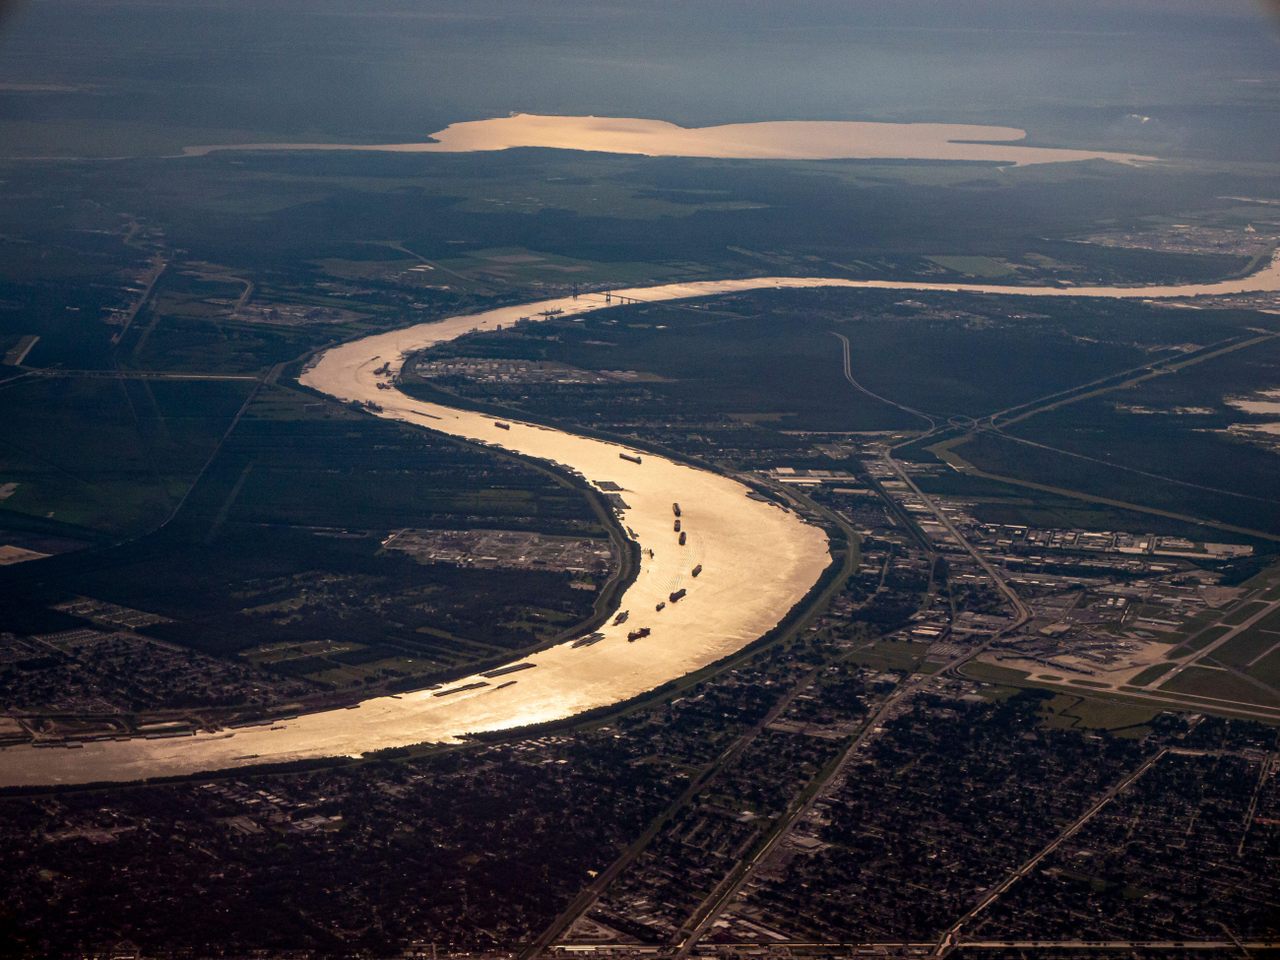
757 561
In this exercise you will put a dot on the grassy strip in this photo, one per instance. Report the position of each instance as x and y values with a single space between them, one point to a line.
1153 672
946 451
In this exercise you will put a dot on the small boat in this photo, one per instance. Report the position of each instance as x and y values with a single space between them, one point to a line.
461 689
512 668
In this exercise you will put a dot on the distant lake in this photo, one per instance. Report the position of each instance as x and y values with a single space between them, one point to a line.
772 140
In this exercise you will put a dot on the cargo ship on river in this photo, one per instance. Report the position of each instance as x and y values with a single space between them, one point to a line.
588 640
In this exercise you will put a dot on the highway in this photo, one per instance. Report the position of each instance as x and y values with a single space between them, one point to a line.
848 375
722 896
588 896
947 942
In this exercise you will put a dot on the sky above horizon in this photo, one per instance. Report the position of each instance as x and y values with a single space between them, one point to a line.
398 69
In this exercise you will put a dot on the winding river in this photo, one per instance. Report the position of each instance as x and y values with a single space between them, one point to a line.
757 561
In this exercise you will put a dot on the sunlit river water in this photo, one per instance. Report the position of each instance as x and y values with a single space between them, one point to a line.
757 561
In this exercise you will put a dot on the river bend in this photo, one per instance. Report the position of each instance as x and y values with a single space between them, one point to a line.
757 561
